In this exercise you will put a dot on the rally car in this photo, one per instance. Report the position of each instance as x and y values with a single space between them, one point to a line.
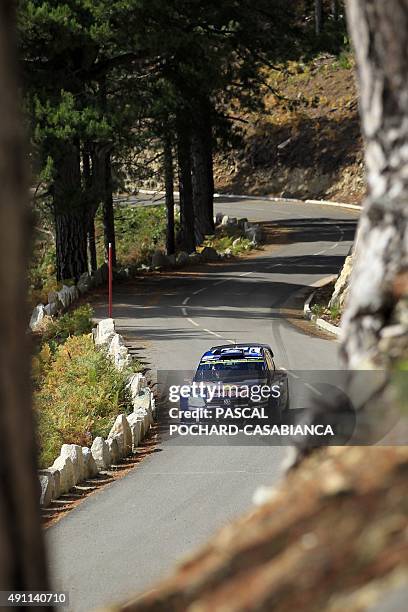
241 377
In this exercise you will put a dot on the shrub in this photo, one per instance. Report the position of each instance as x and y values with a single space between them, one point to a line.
335 312
40 365
318 309
80 394
345 60
140 230
224 239
73 323
41 272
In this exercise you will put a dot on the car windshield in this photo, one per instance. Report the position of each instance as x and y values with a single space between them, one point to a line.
229 370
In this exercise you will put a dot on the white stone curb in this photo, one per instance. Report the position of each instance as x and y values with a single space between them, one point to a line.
247 230
267 198
77 464
336 204
308 314
59 301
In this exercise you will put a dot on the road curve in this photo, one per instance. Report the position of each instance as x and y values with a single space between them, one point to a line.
119 541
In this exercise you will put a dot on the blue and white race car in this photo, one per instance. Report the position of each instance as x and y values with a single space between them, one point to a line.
242 377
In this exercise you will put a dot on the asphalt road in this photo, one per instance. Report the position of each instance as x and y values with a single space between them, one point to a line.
122 539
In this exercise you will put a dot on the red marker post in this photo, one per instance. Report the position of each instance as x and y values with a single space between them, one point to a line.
110 280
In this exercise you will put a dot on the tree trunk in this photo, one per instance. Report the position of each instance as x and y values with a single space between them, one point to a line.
185 186
70 212
92 206
71 239
335 9
318 17
22 555
203 179
169 189
108 216
377 310
93 260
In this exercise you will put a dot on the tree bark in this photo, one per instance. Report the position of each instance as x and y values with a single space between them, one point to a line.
70 212
93 260
108 216
22 555
71 238
376 314
92 207
318 17
203 178
335 9
169 189
185 186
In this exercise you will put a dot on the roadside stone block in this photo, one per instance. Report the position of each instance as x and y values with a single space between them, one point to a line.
121 426
37 316
84 283
100 276
118 352
194 258
53 308
115 344
115 449
182 258
136 427
47 488
64 465
74 452
143 415
105 330
254 234
67 295
159 260
135 384
57 481
55 302
143 400
90 467
100 453
341 287
209 254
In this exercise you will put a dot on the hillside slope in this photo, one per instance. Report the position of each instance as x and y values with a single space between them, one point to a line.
306 142
332 537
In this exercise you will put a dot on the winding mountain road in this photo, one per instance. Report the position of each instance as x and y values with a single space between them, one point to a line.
120 540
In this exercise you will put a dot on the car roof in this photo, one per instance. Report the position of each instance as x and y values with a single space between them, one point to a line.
229 351
239 345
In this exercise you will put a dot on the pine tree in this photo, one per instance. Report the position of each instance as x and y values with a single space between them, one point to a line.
70 51
376 312
23 566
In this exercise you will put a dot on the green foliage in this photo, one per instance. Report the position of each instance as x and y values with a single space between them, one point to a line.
139 232
106 80
80 395
224 239
318 310
41 273
335 312
73 323
345 60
